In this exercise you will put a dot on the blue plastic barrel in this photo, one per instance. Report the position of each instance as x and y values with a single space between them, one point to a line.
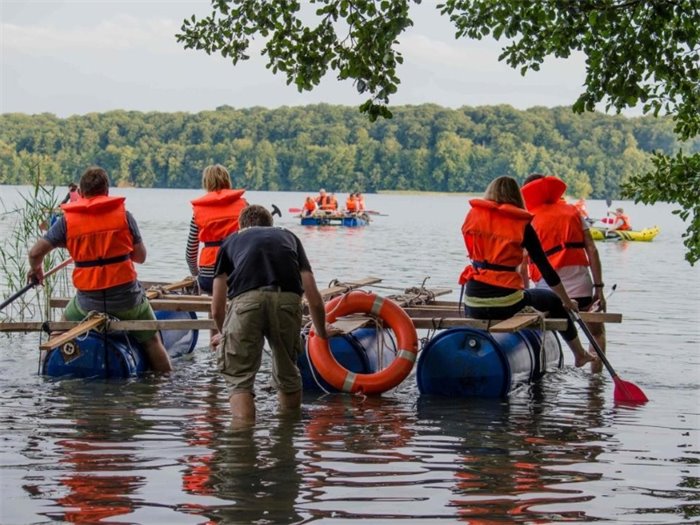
361 351
115 354
468 362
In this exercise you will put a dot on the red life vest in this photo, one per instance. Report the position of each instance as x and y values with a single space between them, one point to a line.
493 234
100 242
216 216
558 224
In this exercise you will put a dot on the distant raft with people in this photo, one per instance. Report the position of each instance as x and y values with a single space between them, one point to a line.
645 235
334 218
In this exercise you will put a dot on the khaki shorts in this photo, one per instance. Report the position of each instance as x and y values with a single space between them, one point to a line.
251 318
141 312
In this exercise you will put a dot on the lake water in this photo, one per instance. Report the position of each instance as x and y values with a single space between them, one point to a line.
160 449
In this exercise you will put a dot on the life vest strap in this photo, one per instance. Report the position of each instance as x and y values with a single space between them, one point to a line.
102 262
210 244
564 246
485 265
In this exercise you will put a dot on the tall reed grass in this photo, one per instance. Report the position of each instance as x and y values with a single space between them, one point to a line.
28 221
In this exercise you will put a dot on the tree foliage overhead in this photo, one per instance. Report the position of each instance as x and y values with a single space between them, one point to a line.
637 52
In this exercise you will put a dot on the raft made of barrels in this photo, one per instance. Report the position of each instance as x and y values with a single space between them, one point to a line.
469 362
114 354
374 378
350 220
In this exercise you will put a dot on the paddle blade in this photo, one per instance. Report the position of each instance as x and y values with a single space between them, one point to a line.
294 210
627 392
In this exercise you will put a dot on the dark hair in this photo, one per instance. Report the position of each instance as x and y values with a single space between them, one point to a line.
255 215
72 186
94 182
533 176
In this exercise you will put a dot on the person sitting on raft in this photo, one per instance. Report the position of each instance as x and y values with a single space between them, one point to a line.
324 201
73 193
214 217
496 232
309 208
351 204
104 241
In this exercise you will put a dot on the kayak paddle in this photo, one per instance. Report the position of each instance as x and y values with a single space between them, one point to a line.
625 391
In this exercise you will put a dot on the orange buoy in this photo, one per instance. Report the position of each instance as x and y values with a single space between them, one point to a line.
393 317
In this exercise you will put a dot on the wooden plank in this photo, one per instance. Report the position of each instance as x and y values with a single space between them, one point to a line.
71 334
517 322
433 310
178 285
349 323
328 293
601 317
433 323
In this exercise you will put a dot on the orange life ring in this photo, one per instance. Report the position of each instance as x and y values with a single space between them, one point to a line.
394 317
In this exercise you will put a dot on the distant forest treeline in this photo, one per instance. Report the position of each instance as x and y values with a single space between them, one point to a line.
426 148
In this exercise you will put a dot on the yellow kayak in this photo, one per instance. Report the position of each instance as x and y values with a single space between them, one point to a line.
645 235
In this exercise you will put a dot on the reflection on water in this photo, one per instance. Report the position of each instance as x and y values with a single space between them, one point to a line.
161 450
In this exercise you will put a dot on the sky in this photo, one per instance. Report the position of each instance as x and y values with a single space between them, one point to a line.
77 57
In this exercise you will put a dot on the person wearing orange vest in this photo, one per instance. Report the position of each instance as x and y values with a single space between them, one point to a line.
214 217
104 241
73 193
351 204
496 232
309 207
620 221
567 242
324 201
580 206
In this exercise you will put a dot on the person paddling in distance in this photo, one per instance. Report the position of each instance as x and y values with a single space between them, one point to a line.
104 241
496 232
263 270
620 221
214 217
567 242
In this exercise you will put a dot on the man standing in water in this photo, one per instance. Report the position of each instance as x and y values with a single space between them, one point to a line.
104 241
264 271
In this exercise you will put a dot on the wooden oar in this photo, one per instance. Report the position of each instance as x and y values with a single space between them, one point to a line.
178 285
32 284
625 391
85 326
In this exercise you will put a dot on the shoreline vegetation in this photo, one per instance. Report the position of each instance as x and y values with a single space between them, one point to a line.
424 148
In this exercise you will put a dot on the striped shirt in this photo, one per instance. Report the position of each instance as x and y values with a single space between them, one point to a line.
192 253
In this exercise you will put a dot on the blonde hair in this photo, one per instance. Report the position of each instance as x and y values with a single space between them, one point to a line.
505 190
215 178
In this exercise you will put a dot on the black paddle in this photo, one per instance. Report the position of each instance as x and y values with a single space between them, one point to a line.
32 284
276 211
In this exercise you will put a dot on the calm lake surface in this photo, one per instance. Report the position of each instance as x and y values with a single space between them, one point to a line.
160 450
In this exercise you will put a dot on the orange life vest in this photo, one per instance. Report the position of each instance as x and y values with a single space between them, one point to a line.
351 204
310 205
100 242
216 216
625 222
558 224
493 234
324 202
